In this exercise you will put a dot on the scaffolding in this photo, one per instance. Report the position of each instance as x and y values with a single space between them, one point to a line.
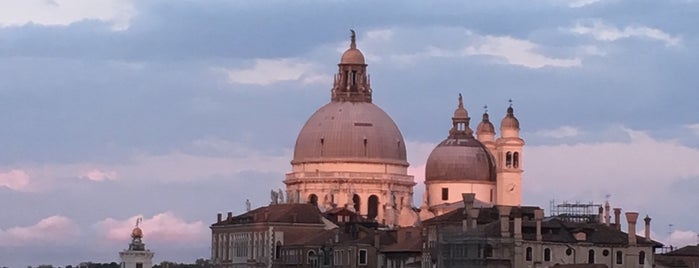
575 212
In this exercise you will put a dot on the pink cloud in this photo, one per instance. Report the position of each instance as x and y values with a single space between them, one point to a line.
53 230
99 175
15 179
165 227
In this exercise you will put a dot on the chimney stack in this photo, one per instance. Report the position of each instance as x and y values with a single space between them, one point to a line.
468 199
538 216
218 217
504 212
474 217
647 220
518 225
600 215
230 216
606 213
617 218
631 218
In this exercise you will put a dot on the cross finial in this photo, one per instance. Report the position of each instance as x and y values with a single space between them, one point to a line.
138 221
461 101
353 39
510 101
485 107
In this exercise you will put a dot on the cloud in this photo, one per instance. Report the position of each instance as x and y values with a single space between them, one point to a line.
680 238
694 128
98 175
54 230
646 164
270 71
604 32
560 132
580 3
161 228
64 12
15 179
516 52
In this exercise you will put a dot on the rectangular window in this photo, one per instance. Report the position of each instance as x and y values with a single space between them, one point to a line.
139 265
445 193
362 257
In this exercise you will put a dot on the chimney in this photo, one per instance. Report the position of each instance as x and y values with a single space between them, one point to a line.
600 215
617 218
518 225
230 216
606 213
218 218
647 220
538 216
504 212
474 217
631 218
377 240
468 201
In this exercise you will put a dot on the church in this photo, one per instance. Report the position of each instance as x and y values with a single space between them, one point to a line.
349 199
351 154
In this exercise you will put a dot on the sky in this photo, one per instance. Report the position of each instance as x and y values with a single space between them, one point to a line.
174 111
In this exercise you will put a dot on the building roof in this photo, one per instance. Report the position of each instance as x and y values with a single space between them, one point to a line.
460 157
343 131
692 250
278 213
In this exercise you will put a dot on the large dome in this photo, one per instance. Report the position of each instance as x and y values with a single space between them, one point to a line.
460 160
345 131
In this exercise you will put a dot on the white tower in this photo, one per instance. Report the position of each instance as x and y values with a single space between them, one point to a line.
137 256
509 157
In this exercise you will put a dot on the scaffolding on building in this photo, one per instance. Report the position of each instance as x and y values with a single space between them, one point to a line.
575 212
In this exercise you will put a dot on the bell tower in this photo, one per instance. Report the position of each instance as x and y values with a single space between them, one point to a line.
509 156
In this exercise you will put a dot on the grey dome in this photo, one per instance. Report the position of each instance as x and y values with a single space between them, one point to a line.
457 159
344 131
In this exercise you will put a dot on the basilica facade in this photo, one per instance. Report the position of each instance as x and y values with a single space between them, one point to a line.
351 154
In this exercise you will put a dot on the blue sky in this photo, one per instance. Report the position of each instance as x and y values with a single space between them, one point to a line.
175 111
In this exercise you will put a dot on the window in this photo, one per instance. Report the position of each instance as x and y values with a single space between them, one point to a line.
547 254
488 251
619 257
591 256
529 254
278 250
515 160
362 257
313 199
642 257
445 193
508 159
373 207
569 251
357 205
139 265
605 252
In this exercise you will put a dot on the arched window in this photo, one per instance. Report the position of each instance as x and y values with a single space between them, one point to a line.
619 257
488 251
591 256
529 254
373 207
642 257
515 160
547 254
508 159
278 250
357 204
313 199
312 259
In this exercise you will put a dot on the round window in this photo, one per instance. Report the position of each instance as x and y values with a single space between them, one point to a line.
569 251
605 252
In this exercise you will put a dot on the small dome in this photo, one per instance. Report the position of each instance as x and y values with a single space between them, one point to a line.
460 160
510 121
485 126
350 132
137 233
352 56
